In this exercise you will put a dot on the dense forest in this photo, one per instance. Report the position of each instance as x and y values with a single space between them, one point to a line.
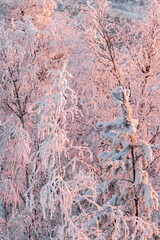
79 120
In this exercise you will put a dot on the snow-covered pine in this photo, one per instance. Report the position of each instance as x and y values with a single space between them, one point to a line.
136 200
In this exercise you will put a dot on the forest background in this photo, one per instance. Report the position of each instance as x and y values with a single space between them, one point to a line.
63 63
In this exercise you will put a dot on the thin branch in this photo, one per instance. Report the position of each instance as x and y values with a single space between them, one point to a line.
155 135
12 110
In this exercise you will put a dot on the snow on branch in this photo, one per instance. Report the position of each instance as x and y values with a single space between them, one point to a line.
121 131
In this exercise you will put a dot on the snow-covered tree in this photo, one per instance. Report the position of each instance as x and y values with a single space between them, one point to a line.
133 201
27 54
41 167
143 51
52 185
120 51
61 169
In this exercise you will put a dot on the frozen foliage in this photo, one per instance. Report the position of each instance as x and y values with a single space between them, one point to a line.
15 149
52 184
155 146
14 159
37 163
136 200
52 112
58 161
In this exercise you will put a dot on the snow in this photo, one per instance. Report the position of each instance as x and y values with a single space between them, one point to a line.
147 151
